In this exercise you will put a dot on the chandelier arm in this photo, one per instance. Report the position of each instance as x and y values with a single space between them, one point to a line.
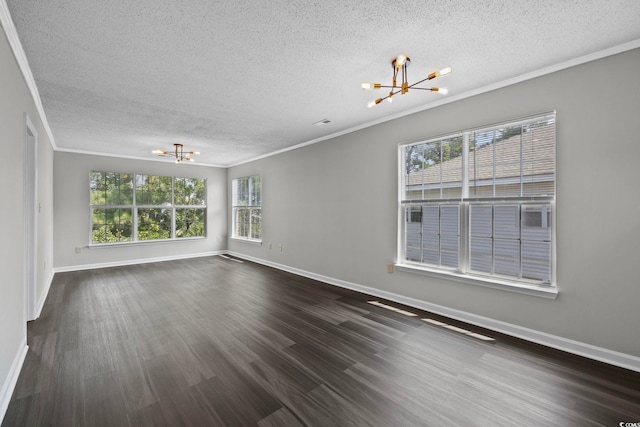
390 95
395 76
417 83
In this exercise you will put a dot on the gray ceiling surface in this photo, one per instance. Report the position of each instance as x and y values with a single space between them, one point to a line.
241 79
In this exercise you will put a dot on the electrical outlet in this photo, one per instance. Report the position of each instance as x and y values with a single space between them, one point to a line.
270 245
78 250
281 247
389 268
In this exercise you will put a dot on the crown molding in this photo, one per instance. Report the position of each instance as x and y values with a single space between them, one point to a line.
14 41
124 156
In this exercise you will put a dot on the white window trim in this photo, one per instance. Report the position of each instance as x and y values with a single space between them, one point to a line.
549 291
247 239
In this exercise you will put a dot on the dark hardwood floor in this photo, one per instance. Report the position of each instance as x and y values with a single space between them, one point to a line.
211 341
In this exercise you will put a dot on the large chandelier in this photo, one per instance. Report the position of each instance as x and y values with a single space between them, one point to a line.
399 65
178 152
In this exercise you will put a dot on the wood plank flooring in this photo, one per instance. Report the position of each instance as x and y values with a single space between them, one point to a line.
215 342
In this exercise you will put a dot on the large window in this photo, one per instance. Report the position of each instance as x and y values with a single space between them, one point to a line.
479 203
127 207
247 208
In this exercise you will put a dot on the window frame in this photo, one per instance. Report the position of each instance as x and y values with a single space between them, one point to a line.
463 272
134 207
251 209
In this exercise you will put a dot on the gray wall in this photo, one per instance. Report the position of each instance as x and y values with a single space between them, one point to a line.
72 219
333 205
15 100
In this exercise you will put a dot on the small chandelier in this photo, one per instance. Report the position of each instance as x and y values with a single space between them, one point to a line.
179 153
400 64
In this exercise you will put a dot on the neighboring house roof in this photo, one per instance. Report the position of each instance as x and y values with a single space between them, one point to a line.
537 157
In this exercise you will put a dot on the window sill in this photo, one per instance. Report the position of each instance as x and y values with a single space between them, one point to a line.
142 242
251 241
549 292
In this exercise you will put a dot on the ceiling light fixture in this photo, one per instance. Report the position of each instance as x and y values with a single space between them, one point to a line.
179 153
400 64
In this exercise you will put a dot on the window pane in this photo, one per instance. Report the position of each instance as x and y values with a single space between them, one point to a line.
481 238
513 160
97 190
190 223
241 216
256 191
538 157
449 235
256 223
506 221
481 220
111 225
536 261
434 169
431 235
154 223
507 257
153 190
536 222
436 239
481 255
413 220
189 191
110 188
241 192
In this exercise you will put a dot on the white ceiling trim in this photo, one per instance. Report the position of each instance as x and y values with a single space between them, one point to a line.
635 44
151 158
21 59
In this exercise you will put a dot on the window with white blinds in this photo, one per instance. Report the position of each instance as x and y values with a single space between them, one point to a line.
479 202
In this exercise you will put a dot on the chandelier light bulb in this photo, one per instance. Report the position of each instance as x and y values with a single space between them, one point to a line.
445 71
400 60
367 85
373 103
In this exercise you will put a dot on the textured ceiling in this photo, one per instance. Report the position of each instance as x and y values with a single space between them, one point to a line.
239 79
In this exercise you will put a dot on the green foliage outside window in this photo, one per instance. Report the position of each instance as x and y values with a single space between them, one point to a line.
189 223
153 190
111 225
188 191
116 198
111 188
154 224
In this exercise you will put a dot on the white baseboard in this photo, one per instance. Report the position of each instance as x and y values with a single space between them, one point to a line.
134 262
12 378
611 357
